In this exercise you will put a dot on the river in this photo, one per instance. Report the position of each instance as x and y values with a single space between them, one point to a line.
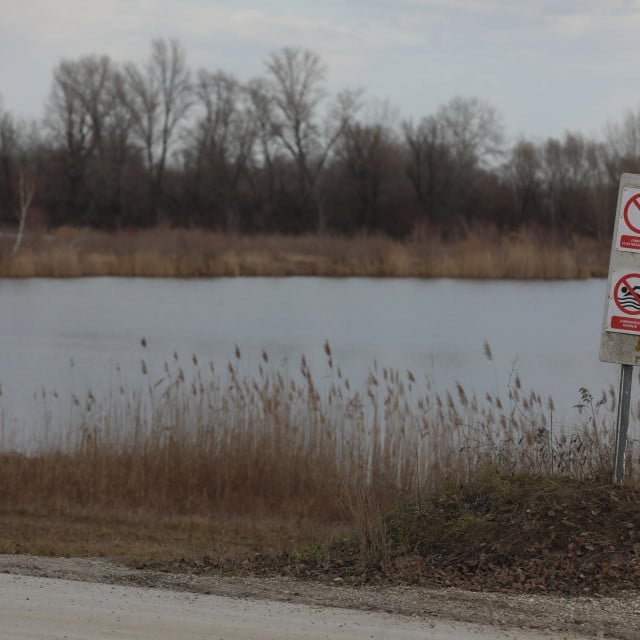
66 337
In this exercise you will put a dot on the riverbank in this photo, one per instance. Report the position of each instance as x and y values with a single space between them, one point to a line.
70 252
498 533
384 484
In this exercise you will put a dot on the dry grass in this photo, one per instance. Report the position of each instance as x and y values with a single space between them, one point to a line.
69 252
142 535
203 463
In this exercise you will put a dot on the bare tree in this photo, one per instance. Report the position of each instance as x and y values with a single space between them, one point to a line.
220 144
263 166
469 134
430 166
572 172
623 138
369 158
473 130
8 152
87 118
91 78
159 95
100 90
70 126
18 184
297 88
621 149
524 175
297 91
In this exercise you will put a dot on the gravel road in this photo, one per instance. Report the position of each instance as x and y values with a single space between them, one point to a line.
37 608
96 598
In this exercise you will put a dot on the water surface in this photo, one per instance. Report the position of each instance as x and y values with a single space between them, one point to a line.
68 336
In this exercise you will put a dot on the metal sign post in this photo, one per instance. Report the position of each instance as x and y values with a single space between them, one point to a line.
620 341
624 402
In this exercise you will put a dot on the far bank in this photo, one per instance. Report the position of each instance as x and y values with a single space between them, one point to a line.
75 252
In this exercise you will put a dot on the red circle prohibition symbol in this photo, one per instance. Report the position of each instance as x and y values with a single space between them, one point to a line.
635 200
628 290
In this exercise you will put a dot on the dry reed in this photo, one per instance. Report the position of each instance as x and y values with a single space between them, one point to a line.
202 442
70 252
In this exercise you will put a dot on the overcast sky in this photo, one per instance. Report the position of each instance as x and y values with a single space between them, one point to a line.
547 66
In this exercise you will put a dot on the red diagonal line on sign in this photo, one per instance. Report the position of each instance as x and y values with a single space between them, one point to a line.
635 201
631 289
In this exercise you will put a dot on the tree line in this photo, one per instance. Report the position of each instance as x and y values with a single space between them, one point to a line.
153 142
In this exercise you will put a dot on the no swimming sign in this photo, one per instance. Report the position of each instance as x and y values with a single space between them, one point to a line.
624 305
620 342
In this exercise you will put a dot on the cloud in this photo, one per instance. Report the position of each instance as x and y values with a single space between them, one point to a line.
417 53
72 27
597 24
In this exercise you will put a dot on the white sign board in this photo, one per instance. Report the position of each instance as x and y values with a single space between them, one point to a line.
620 341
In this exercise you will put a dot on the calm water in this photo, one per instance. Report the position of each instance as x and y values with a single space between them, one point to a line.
69 336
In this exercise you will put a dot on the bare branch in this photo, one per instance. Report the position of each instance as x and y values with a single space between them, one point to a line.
26 191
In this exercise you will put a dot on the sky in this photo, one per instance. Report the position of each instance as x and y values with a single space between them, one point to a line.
547 66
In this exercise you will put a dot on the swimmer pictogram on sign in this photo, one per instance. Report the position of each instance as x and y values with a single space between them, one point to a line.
626 294
624 307
629 223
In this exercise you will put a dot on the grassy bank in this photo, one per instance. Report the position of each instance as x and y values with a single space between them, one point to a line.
499 531
69 252
386 479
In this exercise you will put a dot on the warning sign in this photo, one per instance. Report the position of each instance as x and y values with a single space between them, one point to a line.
629 223
624 305
620 338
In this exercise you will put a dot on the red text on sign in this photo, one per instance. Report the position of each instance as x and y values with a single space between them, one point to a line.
625 324
630 242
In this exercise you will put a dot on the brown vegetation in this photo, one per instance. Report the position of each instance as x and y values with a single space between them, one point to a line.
513 532
70 252
405 481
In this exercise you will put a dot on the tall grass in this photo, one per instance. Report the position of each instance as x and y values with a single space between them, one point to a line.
485 253
193 440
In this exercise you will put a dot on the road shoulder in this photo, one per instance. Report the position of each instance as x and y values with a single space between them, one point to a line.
593 616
